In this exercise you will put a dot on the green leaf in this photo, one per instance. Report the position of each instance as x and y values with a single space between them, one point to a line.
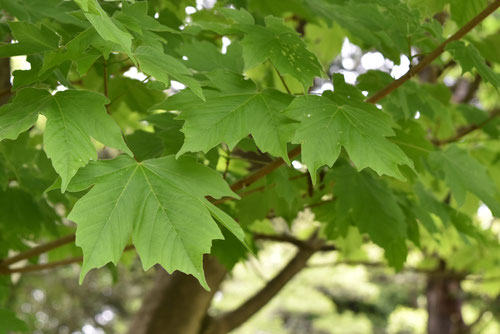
105 26
134 93
468 57
20 213
22 112
169 130
364 201
9 322
283 47
31 39
77 50
159 202
360 128
463 11
161 66
383 24
462 174
135 17
73 116
229 116
411 138
205 56
145 145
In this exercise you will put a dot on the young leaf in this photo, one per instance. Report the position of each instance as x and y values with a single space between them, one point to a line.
73 116
463 11
161 66
463 173
364 201
159 202
31 39
280 44
22 112
360 128
105 26
468 57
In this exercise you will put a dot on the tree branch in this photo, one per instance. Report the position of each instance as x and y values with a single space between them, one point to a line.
465 130
233 319
50 265
38 250
435 53
381 93
270 167
292 240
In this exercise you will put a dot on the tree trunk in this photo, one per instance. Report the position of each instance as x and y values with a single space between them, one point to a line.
178 304
444 303
4 80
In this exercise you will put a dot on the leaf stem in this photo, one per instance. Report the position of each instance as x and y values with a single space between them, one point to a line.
282 79
50 265
228 160
105 78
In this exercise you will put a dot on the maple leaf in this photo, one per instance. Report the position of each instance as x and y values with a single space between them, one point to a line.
325 127
280 44
230 115
73 116
160 203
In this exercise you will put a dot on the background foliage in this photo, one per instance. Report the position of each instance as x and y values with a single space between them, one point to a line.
184 128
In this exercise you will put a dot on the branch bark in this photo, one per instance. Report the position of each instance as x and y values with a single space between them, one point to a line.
50 265
233 319
38 250
465 130
177 303
292 240
435 53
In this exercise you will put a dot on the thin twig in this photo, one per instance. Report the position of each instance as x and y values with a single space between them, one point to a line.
463 131
38 250
293 240
435 53
50 265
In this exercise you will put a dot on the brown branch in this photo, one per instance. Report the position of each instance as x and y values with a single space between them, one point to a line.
436 53
370 264
233 319
50 265
270 167
256 190
466 95
478 319
40 249
465 130
292 240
